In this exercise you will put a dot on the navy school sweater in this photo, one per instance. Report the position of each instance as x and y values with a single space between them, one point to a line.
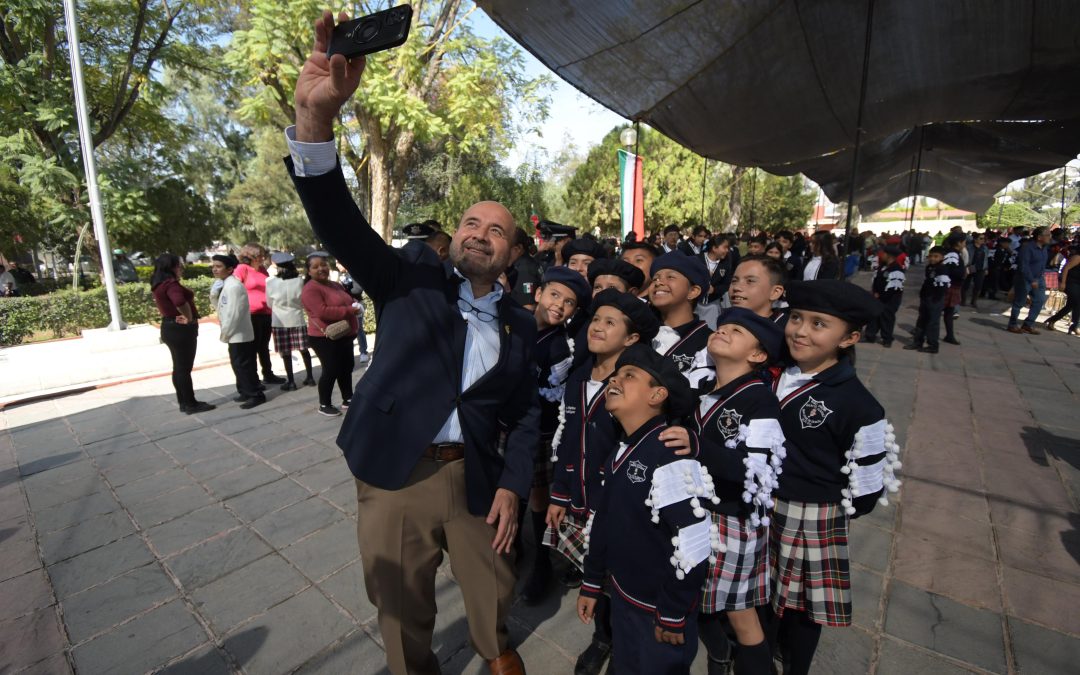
589 436
689 352
935 284
821 419
636 552
552 355
742 444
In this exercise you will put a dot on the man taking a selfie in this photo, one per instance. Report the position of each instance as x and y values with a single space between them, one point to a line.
421 436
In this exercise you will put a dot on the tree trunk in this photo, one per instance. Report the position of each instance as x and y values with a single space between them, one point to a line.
735 198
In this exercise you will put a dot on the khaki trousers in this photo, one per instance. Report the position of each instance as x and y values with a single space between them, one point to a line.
402 536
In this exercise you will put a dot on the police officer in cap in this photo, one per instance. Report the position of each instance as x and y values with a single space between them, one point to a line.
553 236
524 274
427 243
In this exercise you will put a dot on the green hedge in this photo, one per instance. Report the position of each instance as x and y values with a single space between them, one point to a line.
193 271
66 312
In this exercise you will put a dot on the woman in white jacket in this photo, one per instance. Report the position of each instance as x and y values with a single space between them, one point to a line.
236 329
287 317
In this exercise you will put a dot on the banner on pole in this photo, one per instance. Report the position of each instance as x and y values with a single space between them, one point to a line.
632 204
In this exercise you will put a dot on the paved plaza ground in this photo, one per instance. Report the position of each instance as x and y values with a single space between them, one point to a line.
135 539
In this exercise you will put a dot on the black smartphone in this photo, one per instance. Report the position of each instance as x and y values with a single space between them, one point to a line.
373 33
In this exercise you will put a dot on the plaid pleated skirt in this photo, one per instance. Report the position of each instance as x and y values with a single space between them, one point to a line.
739 579
569 540
808 552
290 339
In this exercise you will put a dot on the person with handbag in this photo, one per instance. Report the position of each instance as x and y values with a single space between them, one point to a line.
179 328
332 325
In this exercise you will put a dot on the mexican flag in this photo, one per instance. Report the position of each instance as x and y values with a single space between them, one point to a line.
630 192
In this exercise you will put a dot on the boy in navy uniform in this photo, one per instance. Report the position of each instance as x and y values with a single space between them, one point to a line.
888 288
841 457
650 536
578 254
679 281
562 293
953 265
585 439
641 255
931 303
758 285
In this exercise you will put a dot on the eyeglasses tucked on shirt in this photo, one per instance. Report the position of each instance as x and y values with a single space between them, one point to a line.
465 307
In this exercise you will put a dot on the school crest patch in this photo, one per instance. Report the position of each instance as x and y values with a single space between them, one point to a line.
813 413
635 471
683 361
728 423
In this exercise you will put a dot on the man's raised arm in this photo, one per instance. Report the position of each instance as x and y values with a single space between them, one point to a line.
324 85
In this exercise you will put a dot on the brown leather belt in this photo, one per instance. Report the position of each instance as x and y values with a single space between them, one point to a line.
445 452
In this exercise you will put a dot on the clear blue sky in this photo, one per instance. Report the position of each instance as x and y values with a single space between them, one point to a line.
572 113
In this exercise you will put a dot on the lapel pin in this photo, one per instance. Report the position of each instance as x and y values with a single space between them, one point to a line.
506 327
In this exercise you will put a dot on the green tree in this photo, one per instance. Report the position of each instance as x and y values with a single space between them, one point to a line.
777 202
445 84
265 203
124 44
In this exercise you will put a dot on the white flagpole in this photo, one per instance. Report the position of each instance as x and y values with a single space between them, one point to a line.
87 143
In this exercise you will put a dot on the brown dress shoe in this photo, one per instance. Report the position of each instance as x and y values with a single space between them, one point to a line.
507 663
1014 329
1029 330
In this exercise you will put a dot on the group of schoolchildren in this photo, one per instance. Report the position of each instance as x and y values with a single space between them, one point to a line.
699 477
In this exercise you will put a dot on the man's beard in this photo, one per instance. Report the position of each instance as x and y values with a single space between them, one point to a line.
474 269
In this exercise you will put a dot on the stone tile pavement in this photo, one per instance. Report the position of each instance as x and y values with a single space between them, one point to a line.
135 539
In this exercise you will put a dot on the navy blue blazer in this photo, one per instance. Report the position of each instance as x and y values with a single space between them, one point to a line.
412 386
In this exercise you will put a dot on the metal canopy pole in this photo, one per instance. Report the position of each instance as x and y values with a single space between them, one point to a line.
858 127
918 175
704 178
87 144
1061 215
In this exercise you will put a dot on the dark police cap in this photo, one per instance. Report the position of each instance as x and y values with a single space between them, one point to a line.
767 332
282 258
615 267
643 320
583 246
690 266
835 298
551 230
572 280
228 260
418 230
680 398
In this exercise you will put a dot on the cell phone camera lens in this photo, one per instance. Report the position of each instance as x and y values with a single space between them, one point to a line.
366 31
397 15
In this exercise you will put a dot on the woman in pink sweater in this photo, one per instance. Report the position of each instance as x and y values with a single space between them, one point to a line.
252 273
326 303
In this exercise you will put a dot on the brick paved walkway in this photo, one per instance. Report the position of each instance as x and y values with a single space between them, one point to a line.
134 539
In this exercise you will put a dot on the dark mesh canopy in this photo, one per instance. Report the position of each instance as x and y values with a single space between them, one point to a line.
775 84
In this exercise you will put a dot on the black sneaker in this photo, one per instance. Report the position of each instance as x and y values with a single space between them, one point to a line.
289 386
952 341
273 379
329 411
253 402
198 407
914 346
309 382
928 350
345 403
591 661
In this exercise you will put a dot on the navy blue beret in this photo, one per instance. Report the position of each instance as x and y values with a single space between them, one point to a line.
633 277
835 298
640 355
767 332
583 246
691 267
572 280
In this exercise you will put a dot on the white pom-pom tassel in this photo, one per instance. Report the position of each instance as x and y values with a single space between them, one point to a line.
680 575
850 510
845 469
765 521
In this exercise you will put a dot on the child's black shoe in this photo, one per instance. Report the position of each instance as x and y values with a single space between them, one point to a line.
913 346
928 350
592 659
